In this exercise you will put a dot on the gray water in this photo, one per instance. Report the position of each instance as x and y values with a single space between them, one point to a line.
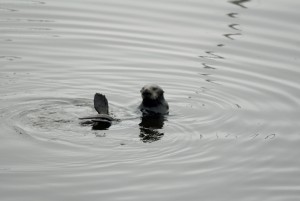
230 72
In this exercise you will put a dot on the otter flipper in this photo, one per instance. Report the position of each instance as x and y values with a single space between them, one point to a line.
99 116
101 121
100 104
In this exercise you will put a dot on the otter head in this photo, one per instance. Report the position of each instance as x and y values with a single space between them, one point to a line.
152 92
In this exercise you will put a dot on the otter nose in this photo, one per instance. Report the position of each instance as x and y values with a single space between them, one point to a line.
146 93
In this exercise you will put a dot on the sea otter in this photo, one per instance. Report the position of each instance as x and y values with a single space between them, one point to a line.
153 102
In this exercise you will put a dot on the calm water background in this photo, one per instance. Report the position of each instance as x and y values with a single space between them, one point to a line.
230 70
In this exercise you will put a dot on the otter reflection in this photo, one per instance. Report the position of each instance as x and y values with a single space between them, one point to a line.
149 128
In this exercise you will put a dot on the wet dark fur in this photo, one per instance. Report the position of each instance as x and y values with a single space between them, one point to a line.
153 102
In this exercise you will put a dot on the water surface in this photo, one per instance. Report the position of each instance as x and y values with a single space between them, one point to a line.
230 72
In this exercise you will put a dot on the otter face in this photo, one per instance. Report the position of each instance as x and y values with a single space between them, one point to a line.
152 92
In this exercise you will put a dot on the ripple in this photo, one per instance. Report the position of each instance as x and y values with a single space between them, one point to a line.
230 73
217 89
48 118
